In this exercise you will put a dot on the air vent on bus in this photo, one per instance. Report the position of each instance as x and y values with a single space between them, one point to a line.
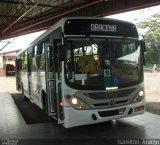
101 105
111 113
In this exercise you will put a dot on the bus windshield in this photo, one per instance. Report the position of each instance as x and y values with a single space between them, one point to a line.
102 62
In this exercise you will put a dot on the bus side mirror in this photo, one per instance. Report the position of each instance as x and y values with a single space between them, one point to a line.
143 48
61 52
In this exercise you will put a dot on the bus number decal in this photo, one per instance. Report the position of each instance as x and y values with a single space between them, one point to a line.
107 77
107 73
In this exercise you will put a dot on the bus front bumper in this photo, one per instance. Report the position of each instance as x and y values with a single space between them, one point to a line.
73 117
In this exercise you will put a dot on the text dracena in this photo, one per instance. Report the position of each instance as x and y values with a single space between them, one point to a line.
103 27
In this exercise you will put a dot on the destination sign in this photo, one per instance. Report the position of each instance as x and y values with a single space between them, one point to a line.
106 27
103 27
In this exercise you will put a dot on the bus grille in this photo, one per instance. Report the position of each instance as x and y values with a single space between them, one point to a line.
108 105
109 95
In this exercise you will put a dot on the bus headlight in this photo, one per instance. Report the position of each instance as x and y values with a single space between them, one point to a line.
76 103
139 96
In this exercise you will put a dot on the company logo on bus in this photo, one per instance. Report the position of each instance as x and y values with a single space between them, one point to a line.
112 102
103 28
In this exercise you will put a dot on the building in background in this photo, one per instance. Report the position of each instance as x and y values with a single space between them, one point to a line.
7 63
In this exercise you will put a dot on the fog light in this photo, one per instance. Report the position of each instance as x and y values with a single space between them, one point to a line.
121 111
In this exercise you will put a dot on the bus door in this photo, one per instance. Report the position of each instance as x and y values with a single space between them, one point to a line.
18 63
50 79
29 73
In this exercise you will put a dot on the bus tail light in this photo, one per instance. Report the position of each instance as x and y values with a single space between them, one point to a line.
76 103
61 104
61 115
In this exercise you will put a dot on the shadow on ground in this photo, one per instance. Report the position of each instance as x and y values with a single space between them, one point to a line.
153 107
30 112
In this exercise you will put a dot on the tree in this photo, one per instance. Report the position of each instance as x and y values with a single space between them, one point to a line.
152 38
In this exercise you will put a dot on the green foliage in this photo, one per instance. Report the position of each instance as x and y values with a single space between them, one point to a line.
152 38
149 67
152 56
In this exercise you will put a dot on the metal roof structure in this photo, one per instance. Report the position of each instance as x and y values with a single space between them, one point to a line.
19 17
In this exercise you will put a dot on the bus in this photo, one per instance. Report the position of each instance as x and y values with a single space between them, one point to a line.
84 70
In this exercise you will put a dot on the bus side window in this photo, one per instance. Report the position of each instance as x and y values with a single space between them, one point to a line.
40 57
50 62
34 52
42 61
20 62
24 61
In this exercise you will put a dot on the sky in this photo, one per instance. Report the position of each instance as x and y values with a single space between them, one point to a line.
19 42
137 15
23 41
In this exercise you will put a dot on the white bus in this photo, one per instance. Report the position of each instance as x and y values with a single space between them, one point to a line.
84 70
